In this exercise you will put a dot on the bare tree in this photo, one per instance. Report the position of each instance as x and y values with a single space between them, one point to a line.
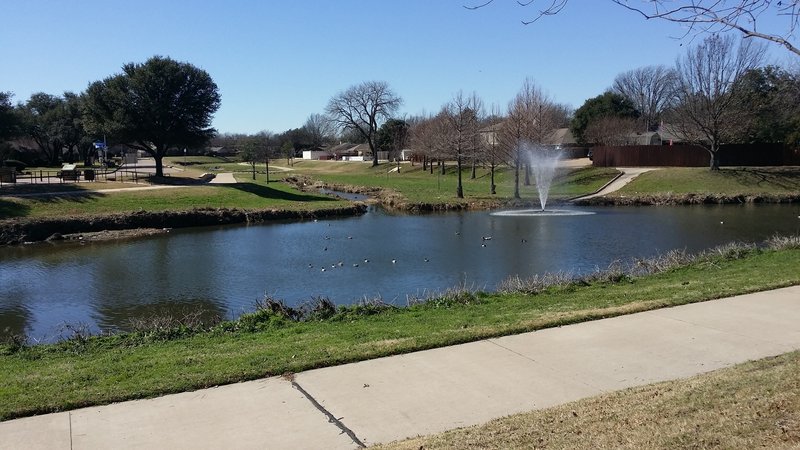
706 111
491 150
362 108
611 130
422 139
649 89
701 16
532 118
462 116
319 129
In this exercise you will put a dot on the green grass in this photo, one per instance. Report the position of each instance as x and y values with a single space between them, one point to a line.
245 195
82 372
728 181
418 186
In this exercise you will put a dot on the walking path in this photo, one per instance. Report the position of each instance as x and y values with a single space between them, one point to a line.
627 175
431 391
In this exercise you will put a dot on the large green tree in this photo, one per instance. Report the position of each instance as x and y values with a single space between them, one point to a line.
772 99
154 106
392 137
9 120
9 123
45 120
607 105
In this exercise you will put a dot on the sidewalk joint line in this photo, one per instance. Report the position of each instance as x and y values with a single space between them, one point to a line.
70 429
330 416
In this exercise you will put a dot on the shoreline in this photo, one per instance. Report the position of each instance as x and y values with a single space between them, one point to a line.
146 223
113 226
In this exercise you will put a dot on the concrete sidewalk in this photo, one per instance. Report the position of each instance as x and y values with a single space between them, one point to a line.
431 391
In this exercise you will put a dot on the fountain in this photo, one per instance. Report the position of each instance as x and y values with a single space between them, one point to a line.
543 162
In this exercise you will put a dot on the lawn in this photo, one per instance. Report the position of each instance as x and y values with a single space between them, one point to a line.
728 181
246 194
419 186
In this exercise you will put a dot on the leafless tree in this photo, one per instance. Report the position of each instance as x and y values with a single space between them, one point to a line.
319 129
362 108
532 118
649 89
462 115
611 130
706 111
701 16
491 150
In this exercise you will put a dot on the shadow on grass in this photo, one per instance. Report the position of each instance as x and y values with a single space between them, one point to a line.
786 178
268 192
9 209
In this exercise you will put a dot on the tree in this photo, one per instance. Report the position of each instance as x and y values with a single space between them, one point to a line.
491 149
319 130
10 124
462 119
76 140
608 104
45 122
423 137
610 130
154 106
362 108
9 120
705 16
392 137
707 111
649 89
532 118
772 97
255 149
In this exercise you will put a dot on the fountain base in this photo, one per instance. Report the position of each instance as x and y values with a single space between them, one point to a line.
541 213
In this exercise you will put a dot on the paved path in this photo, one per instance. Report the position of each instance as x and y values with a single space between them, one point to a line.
628 175
223 178
431 391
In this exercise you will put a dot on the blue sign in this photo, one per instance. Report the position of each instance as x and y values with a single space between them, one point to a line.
99 145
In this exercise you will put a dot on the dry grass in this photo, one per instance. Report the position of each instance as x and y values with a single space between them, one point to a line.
752 405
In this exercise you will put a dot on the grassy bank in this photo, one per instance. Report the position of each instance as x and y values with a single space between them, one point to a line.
751 405
246 194
728 181
415 185
94 370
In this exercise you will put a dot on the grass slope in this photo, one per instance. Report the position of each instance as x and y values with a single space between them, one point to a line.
728 181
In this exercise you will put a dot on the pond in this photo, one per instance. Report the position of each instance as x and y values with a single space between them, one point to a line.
225 270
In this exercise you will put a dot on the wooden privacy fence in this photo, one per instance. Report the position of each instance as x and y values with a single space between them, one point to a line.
694 155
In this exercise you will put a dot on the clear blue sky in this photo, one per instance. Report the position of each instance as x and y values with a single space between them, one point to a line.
277 62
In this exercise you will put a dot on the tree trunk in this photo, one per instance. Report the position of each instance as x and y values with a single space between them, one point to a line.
493 189
442 167
266 163
714 159
527 174
159 164
516 180
474 164
459 189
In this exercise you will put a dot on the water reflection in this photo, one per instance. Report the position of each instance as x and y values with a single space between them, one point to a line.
225 270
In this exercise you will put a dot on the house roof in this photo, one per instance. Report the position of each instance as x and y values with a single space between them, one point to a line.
561 136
